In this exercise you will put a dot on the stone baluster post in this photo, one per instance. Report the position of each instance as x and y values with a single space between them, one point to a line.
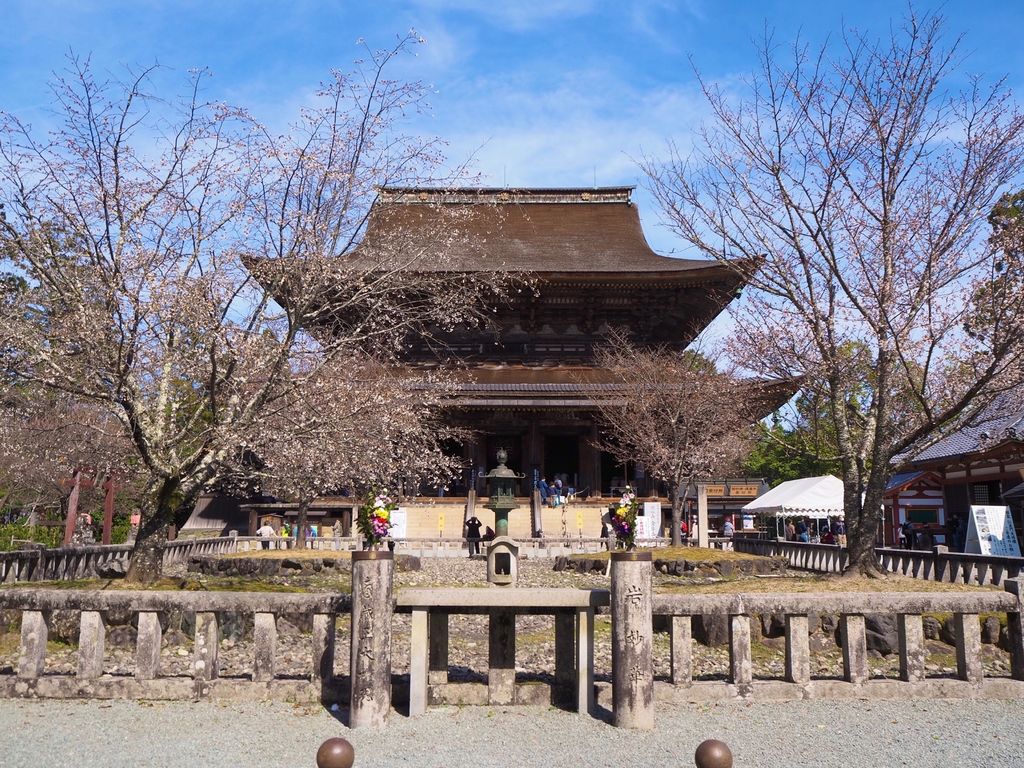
682 650
798 651
264 637
147 646
1015 629
632 637
855 649
370 660
913 652
35 631
501 657
91 641
968 647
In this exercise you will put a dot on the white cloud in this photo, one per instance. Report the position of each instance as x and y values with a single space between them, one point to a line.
515 14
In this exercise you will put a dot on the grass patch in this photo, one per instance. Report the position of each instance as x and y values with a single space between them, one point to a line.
828 583
691 554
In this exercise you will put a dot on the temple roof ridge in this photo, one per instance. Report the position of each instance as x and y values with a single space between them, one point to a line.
518 195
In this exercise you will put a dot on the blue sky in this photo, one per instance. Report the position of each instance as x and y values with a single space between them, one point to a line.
539 92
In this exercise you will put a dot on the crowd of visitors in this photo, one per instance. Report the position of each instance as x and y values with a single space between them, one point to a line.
809 531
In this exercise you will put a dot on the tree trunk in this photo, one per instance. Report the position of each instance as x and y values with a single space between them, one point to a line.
147 555
862 522
300 534
678 497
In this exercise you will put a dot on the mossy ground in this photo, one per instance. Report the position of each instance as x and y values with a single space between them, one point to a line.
812 583
691 554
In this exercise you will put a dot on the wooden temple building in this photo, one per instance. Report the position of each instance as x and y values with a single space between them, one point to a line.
591 269
530 376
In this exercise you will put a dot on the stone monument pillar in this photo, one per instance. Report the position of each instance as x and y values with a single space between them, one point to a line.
632 637
370 661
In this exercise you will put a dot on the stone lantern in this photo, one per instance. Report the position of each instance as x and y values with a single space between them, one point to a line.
502 551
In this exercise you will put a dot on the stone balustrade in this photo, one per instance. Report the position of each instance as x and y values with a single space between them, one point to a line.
573 610
332 543
852 607
61 563
937 564
181 550
89 562
146 608
631 603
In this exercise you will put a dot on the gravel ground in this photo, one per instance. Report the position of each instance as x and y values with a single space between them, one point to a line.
819 734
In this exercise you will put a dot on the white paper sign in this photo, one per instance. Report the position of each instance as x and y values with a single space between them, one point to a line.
648 522
991 532
399 523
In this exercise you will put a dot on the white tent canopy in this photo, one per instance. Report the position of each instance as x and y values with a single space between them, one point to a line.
814 497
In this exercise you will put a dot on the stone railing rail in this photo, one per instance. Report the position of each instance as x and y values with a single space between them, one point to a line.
36 606
937 564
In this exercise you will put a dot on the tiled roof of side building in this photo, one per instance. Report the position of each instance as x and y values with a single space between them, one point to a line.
1003 420
565 230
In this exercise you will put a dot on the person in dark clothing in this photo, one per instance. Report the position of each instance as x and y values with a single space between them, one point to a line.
545 491
801 532
908 535
473 526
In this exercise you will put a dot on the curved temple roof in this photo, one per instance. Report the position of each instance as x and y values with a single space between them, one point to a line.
541 231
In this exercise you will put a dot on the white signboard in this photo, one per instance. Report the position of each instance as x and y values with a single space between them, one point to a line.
991 532
399 523
648 522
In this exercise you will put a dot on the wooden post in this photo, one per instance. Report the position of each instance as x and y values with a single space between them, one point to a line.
702 515
108 509
72 519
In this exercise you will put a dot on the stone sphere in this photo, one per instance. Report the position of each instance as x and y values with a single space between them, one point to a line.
335 753
713 754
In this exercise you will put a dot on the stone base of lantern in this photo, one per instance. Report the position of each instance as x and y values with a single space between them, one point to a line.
503 561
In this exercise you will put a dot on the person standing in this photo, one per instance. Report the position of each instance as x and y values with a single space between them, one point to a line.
266 533
728 529
545 491
473 526
801 532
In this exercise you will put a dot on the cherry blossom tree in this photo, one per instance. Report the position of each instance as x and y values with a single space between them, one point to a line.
356 426
851 185
677 414
184 266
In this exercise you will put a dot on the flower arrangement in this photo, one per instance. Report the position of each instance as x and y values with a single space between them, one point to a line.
375 518
624 518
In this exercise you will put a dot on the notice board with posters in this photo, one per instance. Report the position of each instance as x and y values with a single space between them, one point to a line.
990 532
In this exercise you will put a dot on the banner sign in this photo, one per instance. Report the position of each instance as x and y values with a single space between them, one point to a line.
648 522
399 523
991 532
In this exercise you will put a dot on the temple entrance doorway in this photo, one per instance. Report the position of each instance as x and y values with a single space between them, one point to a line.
614 474
562 459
